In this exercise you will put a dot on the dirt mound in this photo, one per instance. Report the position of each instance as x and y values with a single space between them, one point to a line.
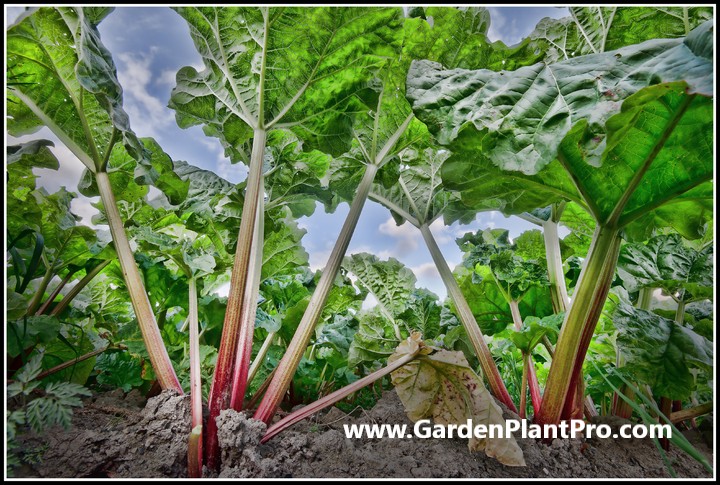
119 439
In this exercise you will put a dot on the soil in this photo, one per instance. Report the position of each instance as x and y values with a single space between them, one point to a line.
113 435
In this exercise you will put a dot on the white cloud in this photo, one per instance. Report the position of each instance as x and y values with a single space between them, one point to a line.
503 27
82 206
426 271
318 259
148 113
406 235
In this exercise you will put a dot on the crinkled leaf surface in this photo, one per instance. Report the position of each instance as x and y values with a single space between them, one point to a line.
665 262
390 282
659 351
375 338
422 313
658 151
64 78
442 386
522 115
419 196
293 178
283 252
295 65
599 29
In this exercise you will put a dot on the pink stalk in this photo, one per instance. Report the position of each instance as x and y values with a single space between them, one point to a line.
334 397
248 310
233 325
535 394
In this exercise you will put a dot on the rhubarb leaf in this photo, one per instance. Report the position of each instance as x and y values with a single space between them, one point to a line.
665 262
659 351
375 338
293 66
61 76
390 282
599 29
442 386
518 118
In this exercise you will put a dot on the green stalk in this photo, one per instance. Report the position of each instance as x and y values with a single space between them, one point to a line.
44 307
141 305
334 397
37 297
288 364
556 275
472 329
535 394
75 290
195 441
220 388
260 357
524 385
580 321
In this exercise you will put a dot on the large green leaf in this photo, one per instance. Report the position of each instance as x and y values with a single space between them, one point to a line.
442 386
419 196
294 67
487 303
661 139
64 78
375 339
659 351
520 117
293 177
422 313
337 334
457 37
665 262
493 257
343 297
591 30
283 252
532 333
390 282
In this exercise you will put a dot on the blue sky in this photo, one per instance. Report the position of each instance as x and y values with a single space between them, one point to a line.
150 44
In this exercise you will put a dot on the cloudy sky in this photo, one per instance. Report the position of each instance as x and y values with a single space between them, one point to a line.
150 44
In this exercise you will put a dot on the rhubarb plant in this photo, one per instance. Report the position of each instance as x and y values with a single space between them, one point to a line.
419 198
577 146
65 79
268 69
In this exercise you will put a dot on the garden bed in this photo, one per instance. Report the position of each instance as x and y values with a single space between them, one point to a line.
114 436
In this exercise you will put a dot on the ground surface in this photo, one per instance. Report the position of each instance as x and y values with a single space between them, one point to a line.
115 436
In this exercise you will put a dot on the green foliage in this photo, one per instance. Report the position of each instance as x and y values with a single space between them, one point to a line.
42 405
659 351
666 262
606 115
119 369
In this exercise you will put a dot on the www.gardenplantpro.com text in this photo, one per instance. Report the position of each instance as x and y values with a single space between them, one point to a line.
574 428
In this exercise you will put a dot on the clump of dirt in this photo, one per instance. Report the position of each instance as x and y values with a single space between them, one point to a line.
152 442
112 436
